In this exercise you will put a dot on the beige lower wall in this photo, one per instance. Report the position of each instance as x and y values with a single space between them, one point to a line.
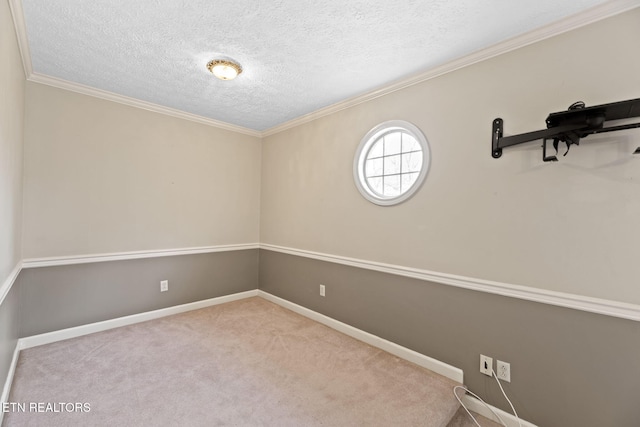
566 227
102 177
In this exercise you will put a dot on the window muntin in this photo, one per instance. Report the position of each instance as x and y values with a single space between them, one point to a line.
391 162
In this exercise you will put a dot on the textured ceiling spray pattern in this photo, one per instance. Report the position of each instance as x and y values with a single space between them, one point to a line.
298 56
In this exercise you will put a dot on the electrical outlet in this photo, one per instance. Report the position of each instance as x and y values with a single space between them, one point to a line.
322 290
504 371
164 285
486 364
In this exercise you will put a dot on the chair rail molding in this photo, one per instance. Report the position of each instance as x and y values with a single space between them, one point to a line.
560 299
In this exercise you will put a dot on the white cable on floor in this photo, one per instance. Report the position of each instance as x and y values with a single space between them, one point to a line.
485 403
480 399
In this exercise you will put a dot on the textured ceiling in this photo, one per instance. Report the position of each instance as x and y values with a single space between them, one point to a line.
298 55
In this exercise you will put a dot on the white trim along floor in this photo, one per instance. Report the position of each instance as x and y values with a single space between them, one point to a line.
441 368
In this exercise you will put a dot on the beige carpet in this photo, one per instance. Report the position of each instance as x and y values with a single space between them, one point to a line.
248 362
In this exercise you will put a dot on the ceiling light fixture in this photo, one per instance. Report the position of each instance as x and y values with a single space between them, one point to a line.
224 69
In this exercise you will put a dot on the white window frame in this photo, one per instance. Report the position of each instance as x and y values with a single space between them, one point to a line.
362 154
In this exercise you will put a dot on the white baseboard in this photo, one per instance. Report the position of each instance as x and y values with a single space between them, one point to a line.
78 331
419 359
434 365
478 407
4 291
7 384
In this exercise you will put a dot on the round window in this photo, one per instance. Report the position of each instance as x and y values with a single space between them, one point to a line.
391 163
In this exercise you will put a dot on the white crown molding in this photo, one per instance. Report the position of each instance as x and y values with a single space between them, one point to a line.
419 359
121 256
589 16
121 99
8 283
560 299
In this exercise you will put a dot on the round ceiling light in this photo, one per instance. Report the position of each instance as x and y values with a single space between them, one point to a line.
224 69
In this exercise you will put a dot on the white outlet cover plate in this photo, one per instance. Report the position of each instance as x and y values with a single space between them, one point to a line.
489 361
504 371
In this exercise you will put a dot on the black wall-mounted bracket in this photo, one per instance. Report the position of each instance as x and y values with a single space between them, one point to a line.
569 126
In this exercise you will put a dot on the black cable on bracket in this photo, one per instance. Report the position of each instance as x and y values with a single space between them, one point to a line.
569 126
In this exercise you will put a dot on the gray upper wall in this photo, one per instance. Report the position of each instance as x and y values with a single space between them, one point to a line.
565 227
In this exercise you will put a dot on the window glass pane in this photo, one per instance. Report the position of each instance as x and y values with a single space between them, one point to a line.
375 184
412 162
392 165
373 167
392 143
376 150
392 185
390 162
408 179
409 143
